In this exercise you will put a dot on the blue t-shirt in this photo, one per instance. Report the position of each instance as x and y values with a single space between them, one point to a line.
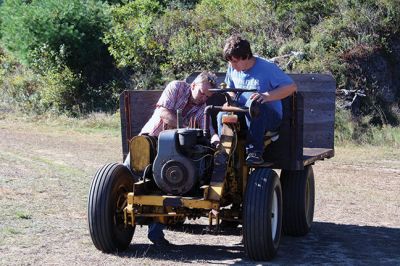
263 76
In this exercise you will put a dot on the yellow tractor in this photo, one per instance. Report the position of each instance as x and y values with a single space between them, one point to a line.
180 175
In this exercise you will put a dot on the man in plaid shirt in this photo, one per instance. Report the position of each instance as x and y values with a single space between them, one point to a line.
191 99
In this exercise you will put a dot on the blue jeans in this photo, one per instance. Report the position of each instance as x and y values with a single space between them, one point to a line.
155 231
268 120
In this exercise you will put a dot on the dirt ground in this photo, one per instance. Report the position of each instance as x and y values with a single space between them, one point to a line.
45 174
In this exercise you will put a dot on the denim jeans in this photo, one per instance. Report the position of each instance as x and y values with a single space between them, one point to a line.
155 232
268 120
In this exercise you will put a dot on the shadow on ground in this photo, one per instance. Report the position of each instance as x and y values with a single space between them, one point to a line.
201 229
326 243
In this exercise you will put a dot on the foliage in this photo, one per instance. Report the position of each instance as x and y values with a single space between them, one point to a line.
301 16
19 86
131 40
179 4
361 132
61 42
190 51
157 40
58 90
41 33
344 126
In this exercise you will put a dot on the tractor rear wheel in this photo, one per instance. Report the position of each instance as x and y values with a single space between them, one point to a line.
298 189
107 200
262 214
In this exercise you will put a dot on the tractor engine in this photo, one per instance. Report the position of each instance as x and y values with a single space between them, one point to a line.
184 161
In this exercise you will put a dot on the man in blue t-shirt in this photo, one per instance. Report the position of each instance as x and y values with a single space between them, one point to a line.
272 84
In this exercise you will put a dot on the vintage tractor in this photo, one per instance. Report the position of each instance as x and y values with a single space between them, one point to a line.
180 175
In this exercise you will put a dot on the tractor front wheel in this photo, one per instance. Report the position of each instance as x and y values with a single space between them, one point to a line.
107 200
262 214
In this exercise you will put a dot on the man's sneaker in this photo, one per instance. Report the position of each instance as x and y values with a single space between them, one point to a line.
254 158
162 242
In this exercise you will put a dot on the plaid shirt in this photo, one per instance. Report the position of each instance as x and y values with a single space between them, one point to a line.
175 96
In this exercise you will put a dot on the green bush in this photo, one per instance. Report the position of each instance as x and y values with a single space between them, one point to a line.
58 91
70 30
63 91
179 4
344 127
131 40
19 86
360 131
62 41
301 16
191 51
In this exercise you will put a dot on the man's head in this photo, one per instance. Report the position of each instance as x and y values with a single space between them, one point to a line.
237 47
201 85
238 53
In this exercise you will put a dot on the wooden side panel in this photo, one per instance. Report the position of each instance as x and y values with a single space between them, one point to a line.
124 123
318 93
136 107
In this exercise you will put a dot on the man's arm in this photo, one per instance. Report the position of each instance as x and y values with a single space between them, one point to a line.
277 94
214 136
168 117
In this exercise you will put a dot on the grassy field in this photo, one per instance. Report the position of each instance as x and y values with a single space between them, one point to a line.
46 166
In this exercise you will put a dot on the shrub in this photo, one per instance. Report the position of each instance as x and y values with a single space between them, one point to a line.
344 127
63 92
360 131
131 40
179 4
70 30
301 16
67 92
19 86
62 41
191 51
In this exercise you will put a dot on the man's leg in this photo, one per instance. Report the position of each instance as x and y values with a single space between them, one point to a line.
268 120
156 234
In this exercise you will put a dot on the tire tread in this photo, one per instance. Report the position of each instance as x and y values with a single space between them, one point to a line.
294 195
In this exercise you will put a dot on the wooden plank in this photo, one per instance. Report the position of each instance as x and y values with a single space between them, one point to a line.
314 82
136 107
124 125
318 139
319 110
311 155
319 117
143 106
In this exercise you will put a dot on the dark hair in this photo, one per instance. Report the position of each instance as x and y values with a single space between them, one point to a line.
237 47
